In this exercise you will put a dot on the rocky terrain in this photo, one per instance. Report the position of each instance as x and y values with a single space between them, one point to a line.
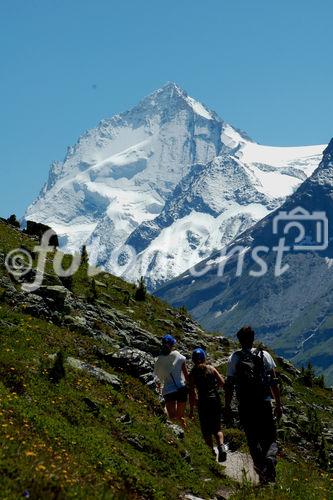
79 413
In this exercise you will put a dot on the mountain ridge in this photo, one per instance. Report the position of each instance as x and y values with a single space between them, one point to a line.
123 187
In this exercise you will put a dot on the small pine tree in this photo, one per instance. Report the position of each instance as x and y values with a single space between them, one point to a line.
183 311
308 375
320 381
141 291
57 372
92 292
84 255
12 220
323 455
314 428
126 298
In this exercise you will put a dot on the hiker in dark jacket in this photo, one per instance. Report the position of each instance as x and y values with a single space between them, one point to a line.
204 381
252 372
172 374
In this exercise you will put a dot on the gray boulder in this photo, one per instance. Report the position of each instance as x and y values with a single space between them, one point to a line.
57 293
97 373
137 338
137 363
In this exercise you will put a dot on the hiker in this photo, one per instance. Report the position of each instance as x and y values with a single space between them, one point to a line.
172 373
206 380
252 372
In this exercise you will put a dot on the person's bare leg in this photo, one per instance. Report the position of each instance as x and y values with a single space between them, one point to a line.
222 454
171 407
181 413
219 438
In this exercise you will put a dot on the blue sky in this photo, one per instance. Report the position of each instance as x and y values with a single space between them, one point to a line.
264 66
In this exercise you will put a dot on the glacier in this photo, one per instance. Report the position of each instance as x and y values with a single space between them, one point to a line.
156 189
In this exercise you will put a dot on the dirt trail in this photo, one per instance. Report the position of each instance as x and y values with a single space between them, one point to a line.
240 466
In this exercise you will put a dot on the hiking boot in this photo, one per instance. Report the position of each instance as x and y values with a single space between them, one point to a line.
268 475
222 453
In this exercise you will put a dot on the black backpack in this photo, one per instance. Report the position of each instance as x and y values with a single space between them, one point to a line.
252 377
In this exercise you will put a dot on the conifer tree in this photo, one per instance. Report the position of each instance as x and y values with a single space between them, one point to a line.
92 292
323 455
57 372
308 375
12 220
141 291
84 255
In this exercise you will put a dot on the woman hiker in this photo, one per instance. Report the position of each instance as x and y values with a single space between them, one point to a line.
171 371
206 380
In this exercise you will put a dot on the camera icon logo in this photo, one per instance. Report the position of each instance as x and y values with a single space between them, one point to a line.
312 228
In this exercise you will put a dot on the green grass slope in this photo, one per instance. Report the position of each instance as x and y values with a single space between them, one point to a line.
82 438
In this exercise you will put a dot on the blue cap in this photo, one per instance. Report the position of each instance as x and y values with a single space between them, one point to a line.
198 355
169 339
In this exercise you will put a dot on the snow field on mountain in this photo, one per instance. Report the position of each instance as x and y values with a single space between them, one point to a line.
172 161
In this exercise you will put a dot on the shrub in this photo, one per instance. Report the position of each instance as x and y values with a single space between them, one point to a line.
323 455
320 381
314 426
57 372
84 255
127 298
141 291
92 292
183 311
308 375
12 220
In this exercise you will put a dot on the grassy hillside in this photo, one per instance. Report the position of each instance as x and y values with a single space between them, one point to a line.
98 430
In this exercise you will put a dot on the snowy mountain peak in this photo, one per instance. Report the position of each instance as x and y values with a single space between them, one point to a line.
168 177
122 172
171 96
171 88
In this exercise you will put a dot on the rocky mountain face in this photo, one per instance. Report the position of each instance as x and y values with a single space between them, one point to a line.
121 173
290 303
154 190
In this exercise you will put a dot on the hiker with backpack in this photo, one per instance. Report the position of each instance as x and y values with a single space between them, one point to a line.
172 374
252 372
204 382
